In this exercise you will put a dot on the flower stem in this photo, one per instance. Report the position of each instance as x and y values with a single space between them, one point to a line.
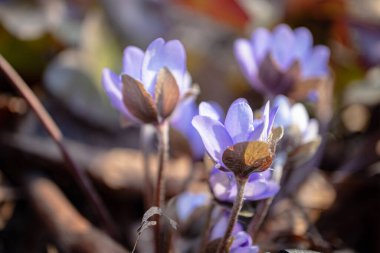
163 154
146 136
238 204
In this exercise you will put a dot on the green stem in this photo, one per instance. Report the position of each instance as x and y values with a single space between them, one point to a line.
163 155
238 204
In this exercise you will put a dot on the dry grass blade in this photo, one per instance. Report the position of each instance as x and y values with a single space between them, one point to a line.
56 135
173 223
152 211
138 100
146 223
166 93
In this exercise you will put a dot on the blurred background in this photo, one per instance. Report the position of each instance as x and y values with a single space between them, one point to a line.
60 48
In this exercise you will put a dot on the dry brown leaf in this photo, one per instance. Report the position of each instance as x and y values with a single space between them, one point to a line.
166 93
138 101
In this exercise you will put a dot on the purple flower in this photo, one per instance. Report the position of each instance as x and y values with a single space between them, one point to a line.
366 37
259 186
220 226
181 121
274 62
239 126
242 242
187 202
136 92
296 119
301 139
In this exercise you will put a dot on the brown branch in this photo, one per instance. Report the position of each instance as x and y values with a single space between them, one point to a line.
57 136
71 231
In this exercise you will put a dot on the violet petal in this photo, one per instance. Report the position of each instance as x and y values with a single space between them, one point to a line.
317 63
215 137
132 62
239 120
261 39
211 110
282 47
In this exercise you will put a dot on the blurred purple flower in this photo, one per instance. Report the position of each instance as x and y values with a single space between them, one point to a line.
144 67
187 202
259 186
242 242
296 119
181 121
366 37
274 62
239 126
302 139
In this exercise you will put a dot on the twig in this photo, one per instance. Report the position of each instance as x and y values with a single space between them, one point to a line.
56 135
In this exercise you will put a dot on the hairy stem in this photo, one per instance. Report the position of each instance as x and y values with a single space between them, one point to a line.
238 204
146 135
163 155
54 132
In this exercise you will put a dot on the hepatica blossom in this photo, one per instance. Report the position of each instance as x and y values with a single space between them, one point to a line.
276 62
151 83
296 119
187 202
242 241
302 138
223 140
